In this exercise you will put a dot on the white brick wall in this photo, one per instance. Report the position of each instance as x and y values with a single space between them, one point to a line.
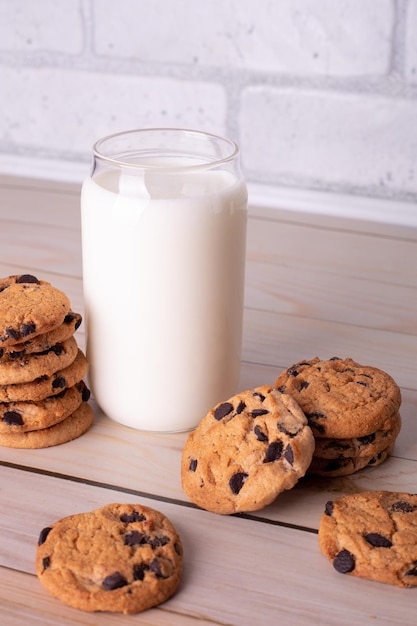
320 94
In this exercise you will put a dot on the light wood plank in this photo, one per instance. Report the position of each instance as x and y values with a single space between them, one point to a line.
24 601
42 248
271 338
333 251
45 203
275 573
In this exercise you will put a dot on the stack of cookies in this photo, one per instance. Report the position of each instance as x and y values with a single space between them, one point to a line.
351 409
43 398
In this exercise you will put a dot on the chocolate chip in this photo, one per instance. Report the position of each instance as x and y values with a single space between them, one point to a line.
328 509
57 349
260 435
339 446
237 481
86 394
16 354
27 278
222 410
273 451
177 548
114 581
258 412
378 541
293 370
1 352
344 562
335 464
240 408
304 385
413 570
59 382
280 389
289 454
376 458
46 561
402 507
134 538
259 395
12 333
27 329
12 418
157 541
193 465
139 571
43 535
312 420
315 415
129 518
155 567
361 382
284 430
335 358
367 439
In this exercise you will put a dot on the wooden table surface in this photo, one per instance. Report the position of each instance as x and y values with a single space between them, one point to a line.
314 286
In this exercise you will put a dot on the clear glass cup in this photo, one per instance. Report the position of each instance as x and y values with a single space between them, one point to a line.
164 215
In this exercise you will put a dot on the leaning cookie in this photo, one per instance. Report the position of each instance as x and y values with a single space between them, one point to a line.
122 558
246 451
372 535
341 398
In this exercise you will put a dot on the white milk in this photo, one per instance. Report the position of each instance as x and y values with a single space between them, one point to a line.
163 276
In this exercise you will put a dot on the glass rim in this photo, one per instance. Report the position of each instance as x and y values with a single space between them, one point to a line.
165 166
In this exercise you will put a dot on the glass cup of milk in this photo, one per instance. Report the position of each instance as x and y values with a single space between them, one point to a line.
164 215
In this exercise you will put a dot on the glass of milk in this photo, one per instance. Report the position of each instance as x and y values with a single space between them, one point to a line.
164 215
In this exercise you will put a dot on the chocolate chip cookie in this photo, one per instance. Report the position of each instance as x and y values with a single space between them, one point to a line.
19 417
246 451
341 398
343 466
121 558
368 446
372 535
45 386
25 369
46 341
68 429
29 307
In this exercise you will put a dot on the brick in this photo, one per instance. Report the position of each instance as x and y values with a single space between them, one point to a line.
410 43
348 37
337 139
41 25
66 111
